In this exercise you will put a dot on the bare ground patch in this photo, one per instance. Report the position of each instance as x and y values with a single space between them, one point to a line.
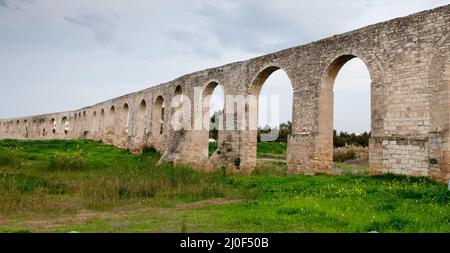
43 222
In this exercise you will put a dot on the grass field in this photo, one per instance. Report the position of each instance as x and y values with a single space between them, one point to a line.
61 186
275 150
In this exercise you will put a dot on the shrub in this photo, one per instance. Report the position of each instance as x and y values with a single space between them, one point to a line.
67 162
350 152
343 138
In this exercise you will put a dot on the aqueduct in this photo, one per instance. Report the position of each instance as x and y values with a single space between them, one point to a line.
409 64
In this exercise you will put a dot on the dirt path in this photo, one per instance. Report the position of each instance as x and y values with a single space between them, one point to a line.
209 202
42 222
265 160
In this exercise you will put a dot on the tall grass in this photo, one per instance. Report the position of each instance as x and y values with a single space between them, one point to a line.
74 174
8 158
60 176
350 152
276 150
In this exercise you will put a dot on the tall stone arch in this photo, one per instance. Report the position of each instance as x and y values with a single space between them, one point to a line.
324 140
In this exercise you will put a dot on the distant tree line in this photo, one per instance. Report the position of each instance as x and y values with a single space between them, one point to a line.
344 138
285 129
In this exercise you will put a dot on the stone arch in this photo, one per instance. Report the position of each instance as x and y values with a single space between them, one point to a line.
177 110
25 128
111 124
255 90
93 125
34 128
252 106
324 139
219 117
158 117
124 124
261 77
42 127
141 121
17 128
8 127
11 126
52 125
83 123
101 121
64 126
75 122
206 102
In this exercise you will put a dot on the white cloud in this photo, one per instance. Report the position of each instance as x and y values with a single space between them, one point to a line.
102 28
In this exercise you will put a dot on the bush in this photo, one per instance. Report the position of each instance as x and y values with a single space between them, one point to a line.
67 162
350 152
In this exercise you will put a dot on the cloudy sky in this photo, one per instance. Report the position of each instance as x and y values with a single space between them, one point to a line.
59 55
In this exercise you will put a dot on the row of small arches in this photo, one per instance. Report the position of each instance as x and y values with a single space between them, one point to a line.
79 124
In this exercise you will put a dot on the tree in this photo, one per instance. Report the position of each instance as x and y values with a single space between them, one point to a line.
344 138
214 125
284 130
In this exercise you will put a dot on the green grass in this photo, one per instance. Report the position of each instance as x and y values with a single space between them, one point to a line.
86 186
72 175
212 148
276 150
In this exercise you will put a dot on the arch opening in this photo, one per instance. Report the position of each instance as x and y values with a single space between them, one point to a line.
83 124
35 128
213 110
158 117
42 127
177 109
75 123
101 121
52 125
25 128
123 123
8 127
111 125
17 129
270 124
345 113
65 125
94 121
141 120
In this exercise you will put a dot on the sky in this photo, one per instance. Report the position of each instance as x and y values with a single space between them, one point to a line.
63 55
